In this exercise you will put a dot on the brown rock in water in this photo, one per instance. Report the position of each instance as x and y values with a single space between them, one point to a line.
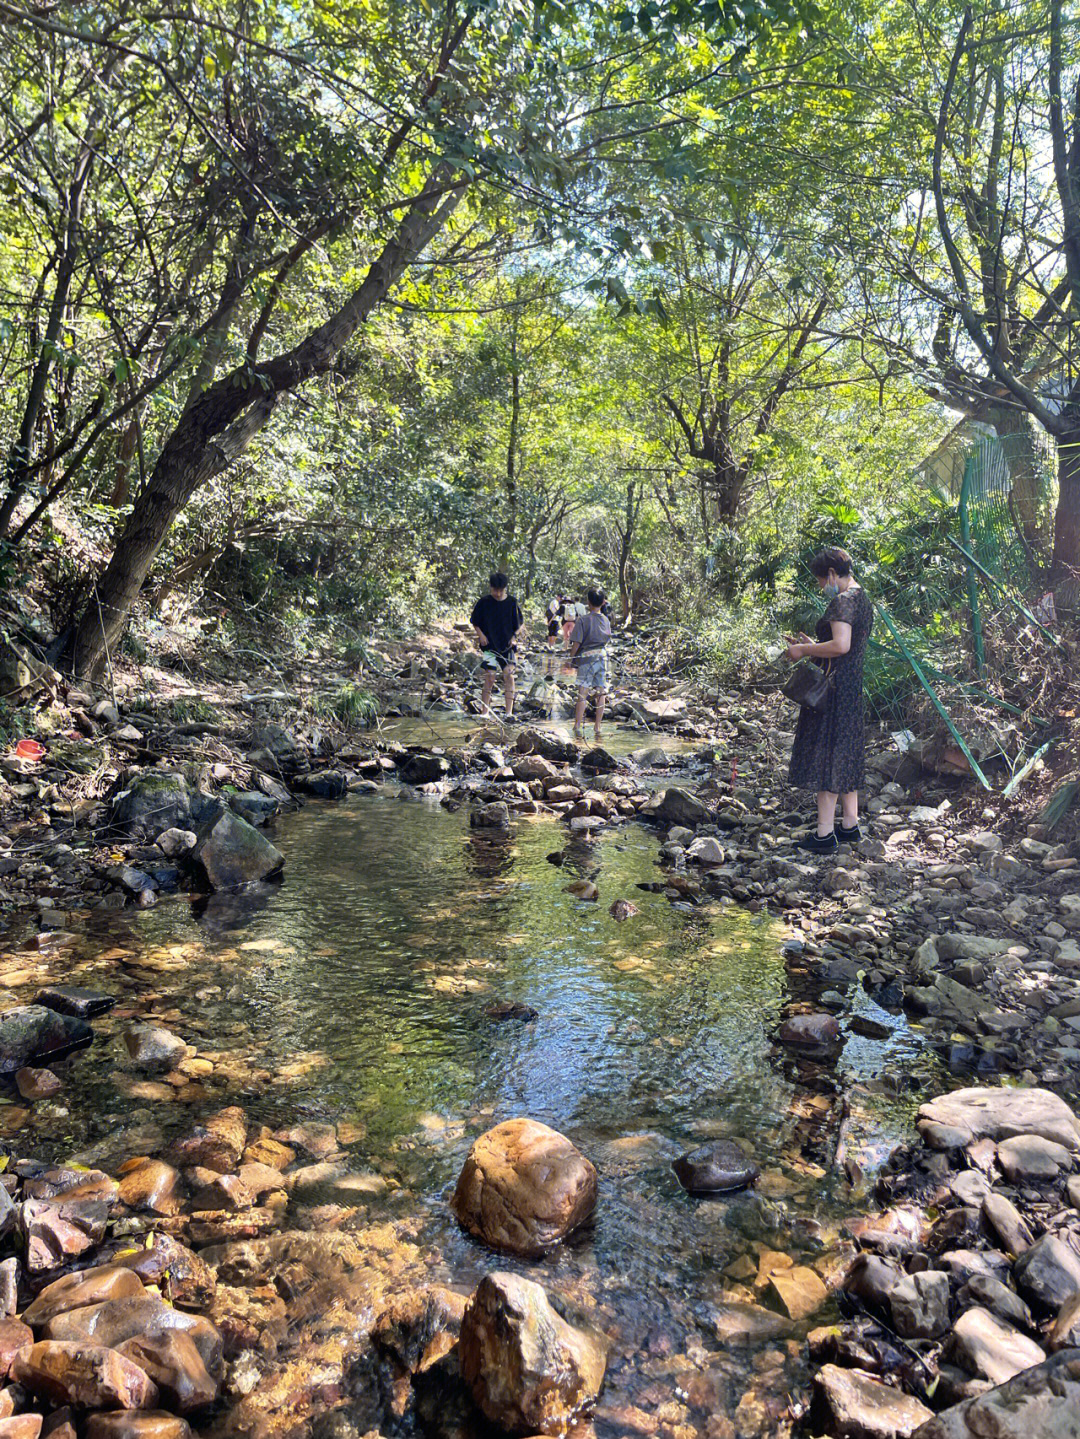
622 909
810 1030
218 1191
154 1425
269 1151
184 1278
582 889
529 1371
176 1367
37 1083
863 1408
87 1286
149 1185
118 1320
25 1426
89 1376
799 1291
58 1232
15 1339
524 1187
318 1140
217 1143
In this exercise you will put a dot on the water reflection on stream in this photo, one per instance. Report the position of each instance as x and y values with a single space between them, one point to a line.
361 985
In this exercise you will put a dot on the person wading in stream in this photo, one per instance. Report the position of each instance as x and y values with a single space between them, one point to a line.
497 620
589 650
828 751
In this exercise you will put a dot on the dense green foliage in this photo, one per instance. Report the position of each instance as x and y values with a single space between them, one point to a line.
331 307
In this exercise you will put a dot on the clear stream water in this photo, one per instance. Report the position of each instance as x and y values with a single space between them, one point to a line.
360 985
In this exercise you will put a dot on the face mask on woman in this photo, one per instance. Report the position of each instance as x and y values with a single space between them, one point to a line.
830 591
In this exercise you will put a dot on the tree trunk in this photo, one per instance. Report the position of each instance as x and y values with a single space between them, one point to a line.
217 427
1065 571
510 524
1017 438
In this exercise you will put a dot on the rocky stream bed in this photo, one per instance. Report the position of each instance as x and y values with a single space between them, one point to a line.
856 1212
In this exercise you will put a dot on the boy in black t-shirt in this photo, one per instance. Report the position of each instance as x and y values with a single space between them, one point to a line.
497 619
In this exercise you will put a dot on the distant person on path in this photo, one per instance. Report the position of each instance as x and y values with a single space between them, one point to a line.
497 621
590 640
827 755
554 610
569 618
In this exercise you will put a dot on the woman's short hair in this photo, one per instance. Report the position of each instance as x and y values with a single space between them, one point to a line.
830 558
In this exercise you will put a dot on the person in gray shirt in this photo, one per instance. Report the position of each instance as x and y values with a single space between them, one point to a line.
588 652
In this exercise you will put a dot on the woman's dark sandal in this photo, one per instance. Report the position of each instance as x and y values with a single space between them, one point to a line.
848 836
818 843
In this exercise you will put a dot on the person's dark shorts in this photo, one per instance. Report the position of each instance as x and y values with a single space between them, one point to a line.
553 629
498 660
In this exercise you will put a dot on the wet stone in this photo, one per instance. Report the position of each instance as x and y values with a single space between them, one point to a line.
37 1083
87 1286
31 1034
176 1367
529 1371
16 1337
523 1188
55 1233
217 1143
152 1049
118 1320
798 1290
716 1168
89 1376
861 1407
157 1424
149 1185
810 1031
72 999
1002 1113
184 1277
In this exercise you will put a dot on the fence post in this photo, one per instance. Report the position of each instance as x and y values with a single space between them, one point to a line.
972 581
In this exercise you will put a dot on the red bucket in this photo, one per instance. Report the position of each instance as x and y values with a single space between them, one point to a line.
29 749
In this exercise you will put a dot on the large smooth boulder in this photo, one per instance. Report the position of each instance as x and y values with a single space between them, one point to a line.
861 1407
229 852
529 1371
89 1376
1003 1113
30 1034
676 806
1041 1403
524 1187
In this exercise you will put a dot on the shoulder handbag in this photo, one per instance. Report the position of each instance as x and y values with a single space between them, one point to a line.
809 685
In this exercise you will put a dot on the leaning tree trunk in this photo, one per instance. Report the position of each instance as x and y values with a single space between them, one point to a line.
216 428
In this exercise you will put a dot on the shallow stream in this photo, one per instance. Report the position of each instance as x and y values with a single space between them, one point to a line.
355 992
